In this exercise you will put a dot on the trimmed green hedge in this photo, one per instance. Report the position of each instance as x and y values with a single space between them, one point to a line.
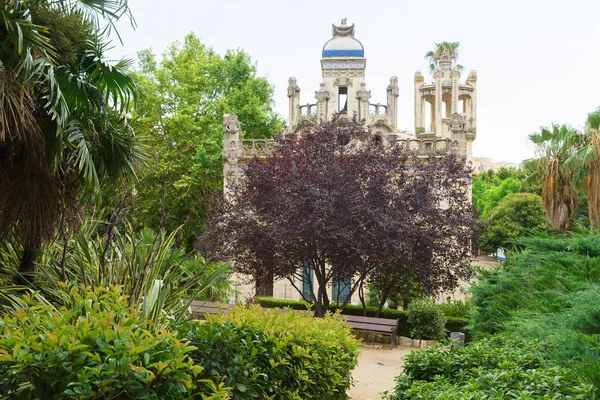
274 355
453 324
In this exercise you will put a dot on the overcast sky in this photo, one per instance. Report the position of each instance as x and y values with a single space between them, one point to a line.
538 62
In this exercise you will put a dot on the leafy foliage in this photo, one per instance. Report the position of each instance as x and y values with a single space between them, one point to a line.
517 215
146 265
454 322
426 319
549 291
94 347
183 98
282 355
62 116
334 201
490 187
492 368
559 197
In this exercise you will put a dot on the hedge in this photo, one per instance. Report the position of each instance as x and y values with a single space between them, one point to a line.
453 324
94 347
279 355
498 368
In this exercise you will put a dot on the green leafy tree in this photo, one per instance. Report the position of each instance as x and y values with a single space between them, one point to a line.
559 196
62 124
518 214
182 102
584 163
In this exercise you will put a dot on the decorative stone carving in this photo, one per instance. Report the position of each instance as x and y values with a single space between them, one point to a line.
231 124
343 72
457 123
342 29
293 87
343 81
393 86
363 94
343 64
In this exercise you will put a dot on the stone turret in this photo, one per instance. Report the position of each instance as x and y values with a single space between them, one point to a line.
446 108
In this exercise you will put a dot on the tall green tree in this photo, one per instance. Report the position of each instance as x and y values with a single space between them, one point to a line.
490 187
62 107
554 145
183 98
584 163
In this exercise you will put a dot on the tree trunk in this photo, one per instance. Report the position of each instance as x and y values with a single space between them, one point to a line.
31 250
361 296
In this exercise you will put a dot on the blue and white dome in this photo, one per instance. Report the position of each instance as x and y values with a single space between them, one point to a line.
343 46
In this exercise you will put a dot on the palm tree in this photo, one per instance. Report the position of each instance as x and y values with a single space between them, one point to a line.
451 49
584 162
559 197
63 125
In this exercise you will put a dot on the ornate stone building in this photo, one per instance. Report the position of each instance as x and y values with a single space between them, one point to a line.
445 118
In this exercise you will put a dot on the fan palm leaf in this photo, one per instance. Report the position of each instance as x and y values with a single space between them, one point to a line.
554 145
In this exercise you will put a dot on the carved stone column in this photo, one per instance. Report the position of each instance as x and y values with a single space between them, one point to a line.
454 75
438 76
294 96
392 103
419 104
363 95
231 150
322 97
472 80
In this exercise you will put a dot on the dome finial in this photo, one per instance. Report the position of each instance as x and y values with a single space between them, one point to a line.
343 29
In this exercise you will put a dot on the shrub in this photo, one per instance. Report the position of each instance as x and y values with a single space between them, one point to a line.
456 308
498 367
94 347
426 319
273 354
403 328
518 214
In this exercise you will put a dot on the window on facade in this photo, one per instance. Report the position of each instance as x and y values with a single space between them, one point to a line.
343 99
307 281
341 288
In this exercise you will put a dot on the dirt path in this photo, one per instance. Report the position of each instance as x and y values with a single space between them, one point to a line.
377 367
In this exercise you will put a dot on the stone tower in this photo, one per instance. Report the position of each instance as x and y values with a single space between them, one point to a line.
445 122
343 88
445 108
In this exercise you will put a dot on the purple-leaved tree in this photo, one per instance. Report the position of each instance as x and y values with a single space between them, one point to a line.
336 202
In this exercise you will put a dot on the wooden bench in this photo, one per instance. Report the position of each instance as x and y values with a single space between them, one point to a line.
372 324
199 308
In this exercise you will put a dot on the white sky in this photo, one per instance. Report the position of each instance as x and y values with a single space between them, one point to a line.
537 61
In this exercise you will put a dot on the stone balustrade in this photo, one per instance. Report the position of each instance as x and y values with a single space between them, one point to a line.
378 110
248 148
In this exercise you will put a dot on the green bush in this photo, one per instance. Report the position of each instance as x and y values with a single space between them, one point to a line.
94 347
498 368
426 319
403 328
455 308
516 215
274 354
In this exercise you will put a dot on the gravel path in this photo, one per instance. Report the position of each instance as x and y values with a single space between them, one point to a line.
377 367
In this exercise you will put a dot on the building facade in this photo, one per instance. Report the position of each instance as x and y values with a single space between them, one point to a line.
445 122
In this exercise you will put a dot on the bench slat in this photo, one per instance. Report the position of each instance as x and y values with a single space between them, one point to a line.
371 320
